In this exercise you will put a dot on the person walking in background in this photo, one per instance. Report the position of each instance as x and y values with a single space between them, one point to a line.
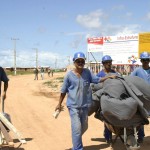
77 85
144 73
36 72
3 78
107 64
52 72
49 71
42 73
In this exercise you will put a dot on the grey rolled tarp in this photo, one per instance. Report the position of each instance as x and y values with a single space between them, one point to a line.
114 88
119 109
143 86
96 87
96 96
120 101
135 93
93 107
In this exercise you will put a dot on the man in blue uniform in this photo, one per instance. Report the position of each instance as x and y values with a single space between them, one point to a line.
107 64
144 73
3 78
77 85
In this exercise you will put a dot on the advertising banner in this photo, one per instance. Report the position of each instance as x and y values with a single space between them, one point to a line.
95 44
122 48
144 42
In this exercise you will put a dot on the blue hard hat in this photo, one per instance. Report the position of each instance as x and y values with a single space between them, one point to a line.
78 55
145 55
105 58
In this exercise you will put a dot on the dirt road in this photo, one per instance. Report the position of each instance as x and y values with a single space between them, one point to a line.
31 105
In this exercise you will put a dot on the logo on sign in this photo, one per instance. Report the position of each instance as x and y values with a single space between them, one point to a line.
132 59
107 39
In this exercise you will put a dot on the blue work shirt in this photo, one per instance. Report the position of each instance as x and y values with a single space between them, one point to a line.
103 74
3 76
78 88
144 74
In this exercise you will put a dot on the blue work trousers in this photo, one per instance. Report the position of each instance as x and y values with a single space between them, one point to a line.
141 133
79 124
107 133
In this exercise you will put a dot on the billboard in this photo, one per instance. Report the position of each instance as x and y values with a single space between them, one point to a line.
144 42
122 48
95 44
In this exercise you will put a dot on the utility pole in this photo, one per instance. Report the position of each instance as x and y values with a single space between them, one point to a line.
36 57
15 70
69 62
55 64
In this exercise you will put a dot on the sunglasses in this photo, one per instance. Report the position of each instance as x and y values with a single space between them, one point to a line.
80 61
145 60
106 62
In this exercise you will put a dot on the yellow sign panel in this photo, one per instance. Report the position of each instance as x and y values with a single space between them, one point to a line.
144 42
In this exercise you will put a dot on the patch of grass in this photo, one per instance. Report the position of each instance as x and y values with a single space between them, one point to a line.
61 79
19 72
54 86
50 84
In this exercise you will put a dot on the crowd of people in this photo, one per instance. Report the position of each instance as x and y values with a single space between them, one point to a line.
42 71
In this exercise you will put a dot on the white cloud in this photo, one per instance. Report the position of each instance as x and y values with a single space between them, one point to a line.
91 20
127 29
28 59
128 14
148 16
99 23
111 30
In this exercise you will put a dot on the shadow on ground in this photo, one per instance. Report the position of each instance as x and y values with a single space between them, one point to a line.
47 94
27 139
118 145
10 148
19 144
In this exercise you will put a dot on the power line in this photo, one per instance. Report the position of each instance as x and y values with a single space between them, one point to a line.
36 57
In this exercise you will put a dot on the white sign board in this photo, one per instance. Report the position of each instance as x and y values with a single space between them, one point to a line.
123 48
95 44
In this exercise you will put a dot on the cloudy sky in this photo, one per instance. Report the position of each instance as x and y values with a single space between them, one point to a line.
59 28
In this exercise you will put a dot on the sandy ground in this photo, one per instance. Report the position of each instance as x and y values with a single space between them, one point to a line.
31 105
